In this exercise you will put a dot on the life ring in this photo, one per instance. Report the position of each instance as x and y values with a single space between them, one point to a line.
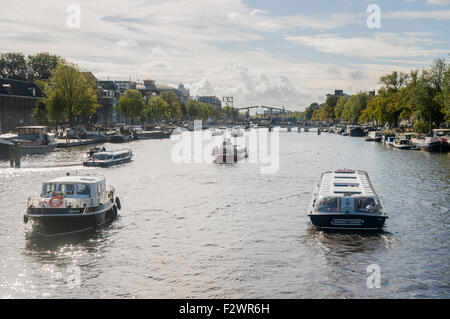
59 203
118 203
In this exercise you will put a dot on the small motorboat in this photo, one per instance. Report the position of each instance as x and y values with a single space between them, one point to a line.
72 204
107 159
228 153
345 199
216 132
402 143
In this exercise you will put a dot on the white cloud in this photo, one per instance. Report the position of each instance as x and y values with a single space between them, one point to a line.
383 45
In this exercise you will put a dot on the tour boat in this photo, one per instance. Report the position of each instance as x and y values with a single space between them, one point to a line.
373 136
345 199
72 204
236 132
228 153
107 159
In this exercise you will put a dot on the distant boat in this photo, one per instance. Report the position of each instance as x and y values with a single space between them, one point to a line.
428 143
236 132
154 134
345 199
373 136
402 143
107 159
34 140
216 132
228 153
355 130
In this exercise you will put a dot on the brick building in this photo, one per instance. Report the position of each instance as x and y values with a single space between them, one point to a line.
17 100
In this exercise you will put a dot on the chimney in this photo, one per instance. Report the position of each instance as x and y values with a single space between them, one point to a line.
30 75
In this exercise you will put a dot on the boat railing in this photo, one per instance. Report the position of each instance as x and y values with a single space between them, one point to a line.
60 201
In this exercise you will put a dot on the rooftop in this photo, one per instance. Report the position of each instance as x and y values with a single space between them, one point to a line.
77 179
22 88
346 183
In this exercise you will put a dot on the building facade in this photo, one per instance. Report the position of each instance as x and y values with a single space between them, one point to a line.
17 101
211 100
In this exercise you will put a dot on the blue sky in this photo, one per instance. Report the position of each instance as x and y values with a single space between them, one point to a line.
282 53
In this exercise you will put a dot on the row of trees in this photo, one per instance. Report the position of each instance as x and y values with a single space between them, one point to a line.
422 96
167 106
14 65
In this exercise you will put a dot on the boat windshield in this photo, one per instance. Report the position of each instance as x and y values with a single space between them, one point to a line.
328 205
367 204
50 189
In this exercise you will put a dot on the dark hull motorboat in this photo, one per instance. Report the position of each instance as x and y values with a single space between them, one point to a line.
57 221
69 205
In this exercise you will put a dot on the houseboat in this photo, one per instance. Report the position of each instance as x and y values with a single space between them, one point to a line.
72 204
228 153
355 130
373 136
107 159
34 140
345 199
154 134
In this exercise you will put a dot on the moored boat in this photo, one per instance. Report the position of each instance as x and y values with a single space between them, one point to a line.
72 204
236 132
373 136
344 199
107 159
34 140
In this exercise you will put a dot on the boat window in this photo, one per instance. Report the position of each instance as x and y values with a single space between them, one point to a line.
367 204
48 189
347 177
328 205
346 184
100 157
83 189
67 189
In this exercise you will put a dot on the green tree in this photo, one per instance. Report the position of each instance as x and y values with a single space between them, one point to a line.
131 105
69 94
157 109
13 66
309 111
174 105
43 63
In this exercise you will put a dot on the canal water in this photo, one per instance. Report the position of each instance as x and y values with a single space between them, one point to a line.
211 231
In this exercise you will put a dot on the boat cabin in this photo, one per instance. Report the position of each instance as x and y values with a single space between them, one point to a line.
441 132
105 156
32 133
80 187
346 191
